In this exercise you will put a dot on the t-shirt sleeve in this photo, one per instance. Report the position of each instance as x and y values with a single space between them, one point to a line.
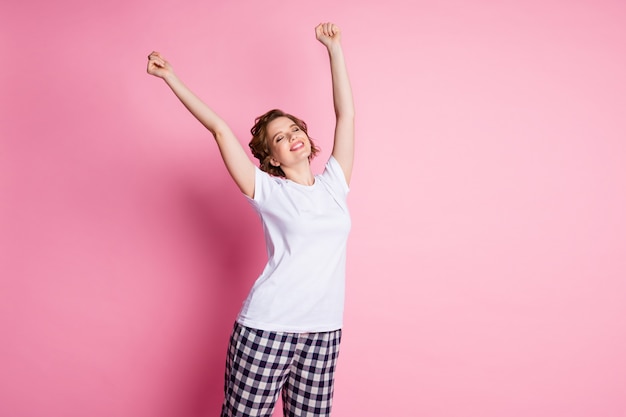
263 185
333 175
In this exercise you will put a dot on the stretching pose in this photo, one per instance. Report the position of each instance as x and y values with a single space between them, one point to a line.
286 337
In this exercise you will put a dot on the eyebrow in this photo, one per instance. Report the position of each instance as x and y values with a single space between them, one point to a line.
280 131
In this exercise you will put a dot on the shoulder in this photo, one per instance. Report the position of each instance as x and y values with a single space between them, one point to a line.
334 176
264 185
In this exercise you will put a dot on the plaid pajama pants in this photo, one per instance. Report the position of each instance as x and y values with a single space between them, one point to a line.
260 364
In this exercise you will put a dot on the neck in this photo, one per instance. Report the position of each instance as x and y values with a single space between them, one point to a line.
301 174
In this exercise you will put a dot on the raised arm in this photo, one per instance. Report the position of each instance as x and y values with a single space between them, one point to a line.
235 158
343 148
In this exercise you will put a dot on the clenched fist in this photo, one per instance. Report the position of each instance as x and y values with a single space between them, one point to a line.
158 66
328 34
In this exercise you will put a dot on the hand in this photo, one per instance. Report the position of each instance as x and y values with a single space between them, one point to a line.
328 34
158 66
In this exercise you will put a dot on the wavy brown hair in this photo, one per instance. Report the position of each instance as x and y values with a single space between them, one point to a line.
259 146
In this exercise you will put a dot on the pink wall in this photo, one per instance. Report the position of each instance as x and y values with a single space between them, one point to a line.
487 264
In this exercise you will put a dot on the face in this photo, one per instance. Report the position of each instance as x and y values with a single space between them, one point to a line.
288 143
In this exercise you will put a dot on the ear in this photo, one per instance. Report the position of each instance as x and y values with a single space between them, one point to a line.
274 162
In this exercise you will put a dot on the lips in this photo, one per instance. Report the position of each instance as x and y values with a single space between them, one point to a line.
296 146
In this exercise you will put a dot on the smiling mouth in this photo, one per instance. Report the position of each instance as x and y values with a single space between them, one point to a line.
297 146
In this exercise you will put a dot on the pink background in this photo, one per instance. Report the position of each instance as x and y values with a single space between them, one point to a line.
487 263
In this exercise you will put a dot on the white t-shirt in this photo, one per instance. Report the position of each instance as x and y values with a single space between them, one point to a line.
306 229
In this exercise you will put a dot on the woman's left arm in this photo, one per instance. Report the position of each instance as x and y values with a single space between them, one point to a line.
343 148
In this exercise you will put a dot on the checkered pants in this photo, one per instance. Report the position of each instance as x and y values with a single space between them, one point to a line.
261 363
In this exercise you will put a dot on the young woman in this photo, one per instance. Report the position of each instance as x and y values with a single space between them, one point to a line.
286 337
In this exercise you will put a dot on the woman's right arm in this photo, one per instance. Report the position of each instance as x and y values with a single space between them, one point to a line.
235 158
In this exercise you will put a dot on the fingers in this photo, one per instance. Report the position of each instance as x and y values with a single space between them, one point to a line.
327 29
155 59
158 66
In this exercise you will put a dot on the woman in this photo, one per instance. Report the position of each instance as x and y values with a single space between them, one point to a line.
286 337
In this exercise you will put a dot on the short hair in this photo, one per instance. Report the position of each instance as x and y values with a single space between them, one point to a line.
259 142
